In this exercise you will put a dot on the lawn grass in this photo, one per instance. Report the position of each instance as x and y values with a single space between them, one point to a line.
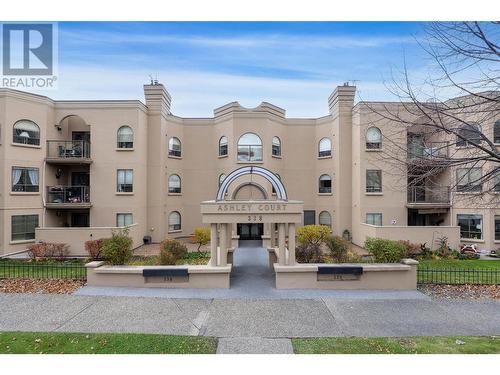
109 343
461 264
17 268
398 345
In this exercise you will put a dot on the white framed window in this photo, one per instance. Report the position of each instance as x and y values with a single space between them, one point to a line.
469 179
325 219
125 180
174 221
324 147
174 147
124 220
373 181
276 146
25 179
249 147
374 218
373 138
174 184
223 148
496 132
325 184
26 132
497 227
125 137
471 226
23 227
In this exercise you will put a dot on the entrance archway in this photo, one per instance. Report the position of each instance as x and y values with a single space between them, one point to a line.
276 218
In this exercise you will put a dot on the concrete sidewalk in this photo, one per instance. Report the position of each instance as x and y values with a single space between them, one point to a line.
251 318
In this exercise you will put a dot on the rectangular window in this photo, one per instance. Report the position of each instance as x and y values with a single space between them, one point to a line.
497 227
469 180
124 220
125 180
373 181
24 179
374 219
309 217
23 227
496 180
249 153
471 226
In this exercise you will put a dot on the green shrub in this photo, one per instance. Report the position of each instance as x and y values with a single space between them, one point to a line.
201 236
338 248
117 250
171 251
385 251
312 234
309 253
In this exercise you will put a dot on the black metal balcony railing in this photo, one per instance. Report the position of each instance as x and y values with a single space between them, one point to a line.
68 194
68 149
430 195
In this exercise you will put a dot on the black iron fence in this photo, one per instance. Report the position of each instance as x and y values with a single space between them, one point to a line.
458 276
10 269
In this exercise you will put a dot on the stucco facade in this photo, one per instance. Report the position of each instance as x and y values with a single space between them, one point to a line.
84 177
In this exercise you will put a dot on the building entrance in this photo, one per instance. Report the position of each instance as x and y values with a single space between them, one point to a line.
253 231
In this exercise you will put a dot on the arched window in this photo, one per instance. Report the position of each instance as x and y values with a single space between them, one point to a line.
325 219
223 146
373 138
174 184
469 134
325 184
125 137
174 147
174 221
249 147
276 146
26 132
222 176
496 132
325 147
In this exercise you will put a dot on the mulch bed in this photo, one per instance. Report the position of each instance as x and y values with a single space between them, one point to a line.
461 291
51 286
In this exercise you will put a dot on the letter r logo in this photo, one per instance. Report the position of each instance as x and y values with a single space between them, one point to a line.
27 49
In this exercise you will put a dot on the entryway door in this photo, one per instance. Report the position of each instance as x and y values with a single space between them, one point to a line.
250 231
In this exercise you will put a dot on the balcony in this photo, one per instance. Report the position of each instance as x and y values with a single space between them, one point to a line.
68 152
427 154
69 197
428 197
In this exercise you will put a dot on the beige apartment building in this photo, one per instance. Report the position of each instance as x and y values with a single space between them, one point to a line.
74 170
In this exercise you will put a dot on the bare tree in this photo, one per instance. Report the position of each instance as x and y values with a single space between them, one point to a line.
431 134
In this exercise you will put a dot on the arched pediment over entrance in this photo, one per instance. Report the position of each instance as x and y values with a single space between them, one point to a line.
252 170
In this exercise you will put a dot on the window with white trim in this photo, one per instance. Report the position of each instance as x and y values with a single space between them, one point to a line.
324 147
26 132
276 146
25 179
174 184
223 148
469 179
325 219
325 184
125 181
374 218
249 147
373 138
125 137
23 227
174 147
373 181
471 226
124 220
174 221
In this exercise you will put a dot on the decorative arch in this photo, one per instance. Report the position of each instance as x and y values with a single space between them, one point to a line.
260 171
252 184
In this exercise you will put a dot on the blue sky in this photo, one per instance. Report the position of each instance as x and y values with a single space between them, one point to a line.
206 65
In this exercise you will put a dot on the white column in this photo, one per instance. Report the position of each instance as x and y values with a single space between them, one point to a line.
273 235
223 245
229 235
291 244
213 244
281 244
